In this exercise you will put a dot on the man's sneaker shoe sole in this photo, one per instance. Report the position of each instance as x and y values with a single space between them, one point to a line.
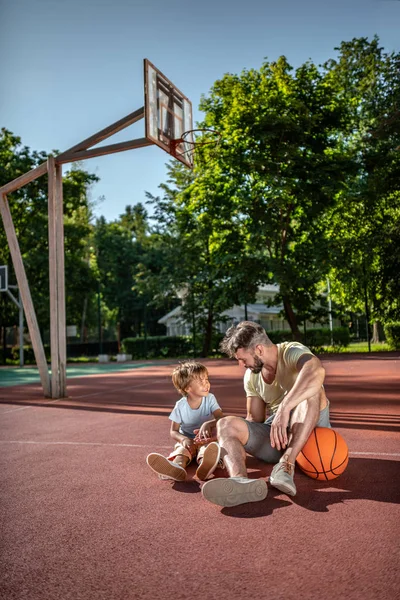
233 491
210 461
162 466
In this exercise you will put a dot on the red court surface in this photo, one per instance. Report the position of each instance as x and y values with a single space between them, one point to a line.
84 518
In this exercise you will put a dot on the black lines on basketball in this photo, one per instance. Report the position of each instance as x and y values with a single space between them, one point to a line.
312 464
325 455
334 450
319 454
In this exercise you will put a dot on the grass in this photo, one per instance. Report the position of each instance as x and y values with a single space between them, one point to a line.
357 347
352 347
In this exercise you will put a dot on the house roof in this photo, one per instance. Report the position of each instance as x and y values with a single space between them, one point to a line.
255 310
173 313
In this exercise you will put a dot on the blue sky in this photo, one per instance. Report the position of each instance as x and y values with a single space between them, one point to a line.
68 68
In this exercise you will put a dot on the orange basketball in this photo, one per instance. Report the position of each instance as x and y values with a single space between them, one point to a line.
325 454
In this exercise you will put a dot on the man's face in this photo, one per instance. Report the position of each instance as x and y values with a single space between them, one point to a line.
259 359
249 359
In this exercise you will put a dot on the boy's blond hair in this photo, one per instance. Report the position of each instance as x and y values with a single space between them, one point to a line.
185 372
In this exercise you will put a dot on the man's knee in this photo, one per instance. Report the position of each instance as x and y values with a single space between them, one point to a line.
307 410
228 427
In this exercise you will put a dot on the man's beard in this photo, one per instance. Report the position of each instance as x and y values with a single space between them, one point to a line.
258 365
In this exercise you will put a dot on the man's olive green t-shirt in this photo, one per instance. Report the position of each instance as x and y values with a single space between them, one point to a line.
285 377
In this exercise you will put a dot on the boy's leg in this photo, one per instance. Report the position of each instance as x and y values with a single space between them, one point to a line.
166 469
208 458
172 467
181 460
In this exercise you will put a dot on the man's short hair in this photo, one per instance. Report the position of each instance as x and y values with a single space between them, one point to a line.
185 372
246 335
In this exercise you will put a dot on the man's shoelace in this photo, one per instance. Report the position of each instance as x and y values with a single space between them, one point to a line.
287 467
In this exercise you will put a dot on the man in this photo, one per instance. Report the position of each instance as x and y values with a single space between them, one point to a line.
285 401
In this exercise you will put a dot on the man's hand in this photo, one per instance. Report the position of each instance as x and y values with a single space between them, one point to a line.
279 438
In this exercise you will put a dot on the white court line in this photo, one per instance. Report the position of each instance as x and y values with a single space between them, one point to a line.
71 399
117 390
374 453
81 444
25 407
396 454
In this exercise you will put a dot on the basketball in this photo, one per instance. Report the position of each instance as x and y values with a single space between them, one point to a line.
325 455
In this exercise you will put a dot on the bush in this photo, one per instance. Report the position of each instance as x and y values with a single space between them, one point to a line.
158 346
29 356
315 339
392 333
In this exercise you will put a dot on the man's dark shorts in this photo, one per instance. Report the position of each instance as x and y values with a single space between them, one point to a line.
259 445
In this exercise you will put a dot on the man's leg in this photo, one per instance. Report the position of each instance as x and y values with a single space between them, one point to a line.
232 435
303 420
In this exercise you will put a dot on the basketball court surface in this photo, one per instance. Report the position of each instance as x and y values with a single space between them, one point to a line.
83 517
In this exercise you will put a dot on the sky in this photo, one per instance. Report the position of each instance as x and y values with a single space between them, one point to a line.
69 68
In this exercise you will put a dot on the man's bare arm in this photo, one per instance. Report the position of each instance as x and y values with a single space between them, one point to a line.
255 409
308 383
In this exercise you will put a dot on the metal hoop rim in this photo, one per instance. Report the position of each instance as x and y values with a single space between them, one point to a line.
183 139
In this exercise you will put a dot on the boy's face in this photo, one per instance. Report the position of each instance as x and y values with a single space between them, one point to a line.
200 386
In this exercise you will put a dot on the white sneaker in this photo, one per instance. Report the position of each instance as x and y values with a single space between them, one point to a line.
209 462
164 468
232 491
282 478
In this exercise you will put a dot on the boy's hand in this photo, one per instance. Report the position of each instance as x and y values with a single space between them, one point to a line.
189 444
204 435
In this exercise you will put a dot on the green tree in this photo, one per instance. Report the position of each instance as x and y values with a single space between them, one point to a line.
364 227
282 158
206 258
29 210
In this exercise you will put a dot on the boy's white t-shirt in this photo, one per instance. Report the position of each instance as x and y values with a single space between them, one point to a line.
189 418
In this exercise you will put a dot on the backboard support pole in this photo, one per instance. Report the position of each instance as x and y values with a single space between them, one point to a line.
56 280
61 321
53 280
24 290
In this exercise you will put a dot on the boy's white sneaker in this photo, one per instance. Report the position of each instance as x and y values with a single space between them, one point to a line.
209 462
165 468
232 491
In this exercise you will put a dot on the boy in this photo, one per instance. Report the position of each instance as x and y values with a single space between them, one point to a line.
193 422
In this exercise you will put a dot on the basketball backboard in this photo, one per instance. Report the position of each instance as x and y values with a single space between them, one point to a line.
168 114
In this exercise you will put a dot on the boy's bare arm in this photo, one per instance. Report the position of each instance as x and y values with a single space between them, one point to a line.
179 437
206 433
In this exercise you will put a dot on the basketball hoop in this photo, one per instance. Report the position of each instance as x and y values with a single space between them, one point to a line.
192 139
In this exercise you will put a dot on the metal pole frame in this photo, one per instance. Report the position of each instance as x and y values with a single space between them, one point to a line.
56 388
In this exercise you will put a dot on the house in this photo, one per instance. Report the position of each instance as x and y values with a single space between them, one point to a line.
270 317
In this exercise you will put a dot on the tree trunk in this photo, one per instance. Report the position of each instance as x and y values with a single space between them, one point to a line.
375 333
208 335
83 319
4 331
291 318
